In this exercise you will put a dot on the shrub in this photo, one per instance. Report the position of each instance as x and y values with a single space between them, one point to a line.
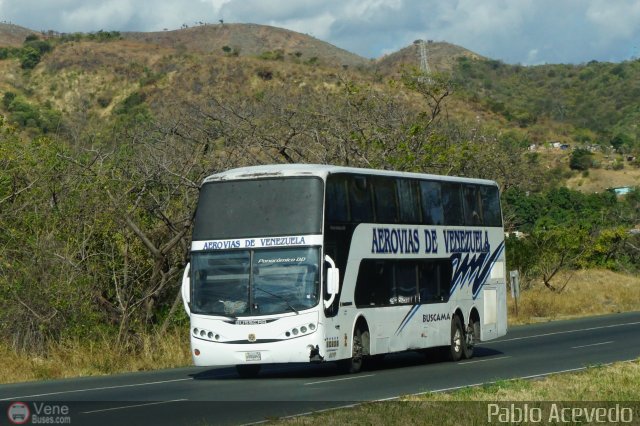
276 55
580 159
30 58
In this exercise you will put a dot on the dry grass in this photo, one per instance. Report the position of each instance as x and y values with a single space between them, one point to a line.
598 180
615 382
71 358
588 292
611 385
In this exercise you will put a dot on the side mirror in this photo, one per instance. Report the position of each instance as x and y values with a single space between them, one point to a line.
186 288
333 281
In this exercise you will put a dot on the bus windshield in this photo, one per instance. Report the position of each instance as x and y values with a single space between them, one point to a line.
264 207
256 282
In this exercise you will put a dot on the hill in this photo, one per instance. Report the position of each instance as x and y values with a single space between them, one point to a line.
89 76
13 35
442 57
250 40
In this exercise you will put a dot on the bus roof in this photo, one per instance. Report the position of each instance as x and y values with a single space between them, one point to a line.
322 171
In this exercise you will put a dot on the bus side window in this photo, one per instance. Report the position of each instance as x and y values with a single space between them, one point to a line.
360 199
472 208
490 200
408 201
386 207
336 199
406 282
452 204
434 281
373 287
431 201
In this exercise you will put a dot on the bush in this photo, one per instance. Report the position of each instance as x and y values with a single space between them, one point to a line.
30 58
276 55
8 98
580 159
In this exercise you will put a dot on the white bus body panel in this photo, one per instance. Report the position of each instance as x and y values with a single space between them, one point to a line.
406 326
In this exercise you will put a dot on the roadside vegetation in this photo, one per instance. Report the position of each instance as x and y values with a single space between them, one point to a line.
613 384
590 292
103 147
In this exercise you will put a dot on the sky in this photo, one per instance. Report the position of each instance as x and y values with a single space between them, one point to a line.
527 32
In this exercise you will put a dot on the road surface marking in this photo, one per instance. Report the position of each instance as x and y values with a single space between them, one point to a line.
93 389
133 406
339 380
483 360
559 332
593 344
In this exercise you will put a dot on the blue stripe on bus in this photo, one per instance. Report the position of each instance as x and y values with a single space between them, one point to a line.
474 271
407 318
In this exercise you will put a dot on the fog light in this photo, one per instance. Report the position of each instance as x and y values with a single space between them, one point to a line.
195 331
312 327
217 337
295 331
287 334
210 335
202 333
303 329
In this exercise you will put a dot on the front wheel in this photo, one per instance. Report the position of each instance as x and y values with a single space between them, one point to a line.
354 364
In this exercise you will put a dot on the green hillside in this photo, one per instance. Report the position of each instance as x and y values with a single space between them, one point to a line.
598 101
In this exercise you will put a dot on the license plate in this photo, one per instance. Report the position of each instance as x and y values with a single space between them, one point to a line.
252 356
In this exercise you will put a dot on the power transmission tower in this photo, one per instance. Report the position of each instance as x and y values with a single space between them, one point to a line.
424 62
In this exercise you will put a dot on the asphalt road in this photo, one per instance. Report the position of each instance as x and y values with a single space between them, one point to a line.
219 396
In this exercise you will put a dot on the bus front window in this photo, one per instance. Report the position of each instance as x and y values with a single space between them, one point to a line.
285 280
244 283
221 283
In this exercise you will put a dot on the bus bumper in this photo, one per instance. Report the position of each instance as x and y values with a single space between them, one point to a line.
306 348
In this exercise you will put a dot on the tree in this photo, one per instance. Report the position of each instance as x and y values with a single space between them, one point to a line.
580 159
29 58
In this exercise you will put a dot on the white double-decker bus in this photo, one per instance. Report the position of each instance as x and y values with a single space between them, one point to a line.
313 263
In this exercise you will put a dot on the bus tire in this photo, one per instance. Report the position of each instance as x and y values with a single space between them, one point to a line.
247 371
457 340
354 364
471 336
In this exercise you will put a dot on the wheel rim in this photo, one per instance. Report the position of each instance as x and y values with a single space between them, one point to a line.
469 338
357 350
457 341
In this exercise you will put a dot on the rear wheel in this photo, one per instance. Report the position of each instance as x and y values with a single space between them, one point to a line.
457 340
248 370
471 336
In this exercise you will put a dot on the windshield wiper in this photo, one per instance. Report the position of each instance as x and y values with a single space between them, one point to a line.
277 296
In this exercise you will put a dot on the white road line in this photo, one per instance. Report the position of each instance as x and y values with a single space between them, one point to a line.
593 344
559 332
133 406
340 380
484 360
533 376
94 389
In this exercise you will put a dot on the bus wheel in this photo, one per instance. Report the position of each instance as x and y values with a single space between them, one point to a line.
248 370
471 336
354 364
457 340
